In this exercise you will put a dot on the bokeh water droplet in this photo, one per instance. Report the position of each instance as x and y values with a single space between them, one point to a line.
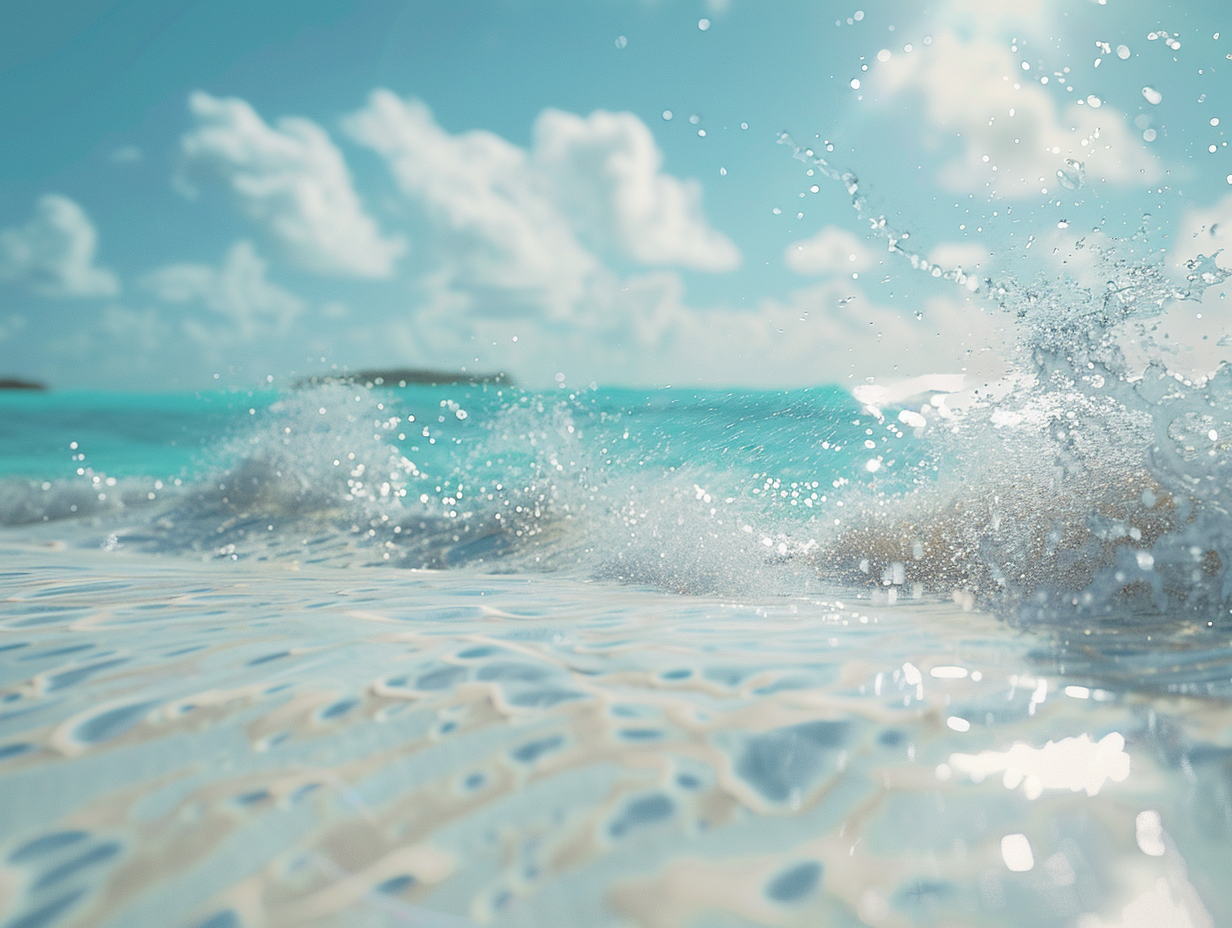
1073 175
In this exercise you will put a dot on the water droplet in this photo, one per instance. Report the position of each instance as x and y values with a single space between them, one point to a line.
722 172
1094 102
1149 135
1122 52
1073 175
703 24
621 41
744 125
667 115
1215 121
883 55
1016 852
859 15
1153 96
1150 834
855 83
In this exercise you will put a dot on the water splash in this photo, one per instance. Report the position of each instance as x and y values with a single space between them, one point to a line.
1095 483
879 226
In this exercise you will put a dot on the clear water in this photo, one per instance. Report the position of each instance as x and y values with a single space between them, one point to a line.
382 655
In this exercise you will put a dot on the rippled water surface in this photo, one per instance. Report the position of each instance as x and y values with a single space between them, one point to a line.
181 745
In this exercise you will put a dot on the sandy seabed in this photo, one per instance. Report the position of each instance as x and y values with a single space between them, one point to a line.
219 744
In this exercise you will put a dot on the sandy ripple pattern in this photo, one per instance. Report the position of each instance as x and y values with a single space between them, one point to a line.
260 747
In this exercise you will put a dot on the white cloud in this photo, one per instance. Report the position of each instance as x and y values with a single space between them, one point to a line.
645 333
499 235
833 250
833 333
607 177
238 290
513 230
53 254
1014 136
966 255
292 181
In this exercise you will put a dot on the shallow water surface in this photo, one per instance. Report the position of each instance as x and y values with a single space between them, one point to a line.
257 745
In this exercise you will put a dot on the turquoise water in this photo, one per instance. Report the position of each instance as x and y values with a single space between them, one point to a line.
438 476
136 435
369 655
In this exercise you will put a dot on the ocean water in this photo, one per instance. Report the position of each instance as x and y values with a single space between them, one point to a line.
372 654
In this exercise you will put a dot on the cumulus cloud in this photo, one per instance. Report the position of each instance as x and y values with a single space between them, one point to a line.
516 231
1014 135
293 182
647 333
53 253
966 255
496 227
237 290
833 250
834 333
606 173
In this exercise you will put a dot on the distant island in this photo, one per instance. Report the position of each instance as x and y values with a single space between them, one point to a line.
13 383
403 377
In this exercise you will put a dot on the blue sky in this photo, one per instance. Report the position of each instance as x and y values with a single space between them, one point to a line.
245 189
